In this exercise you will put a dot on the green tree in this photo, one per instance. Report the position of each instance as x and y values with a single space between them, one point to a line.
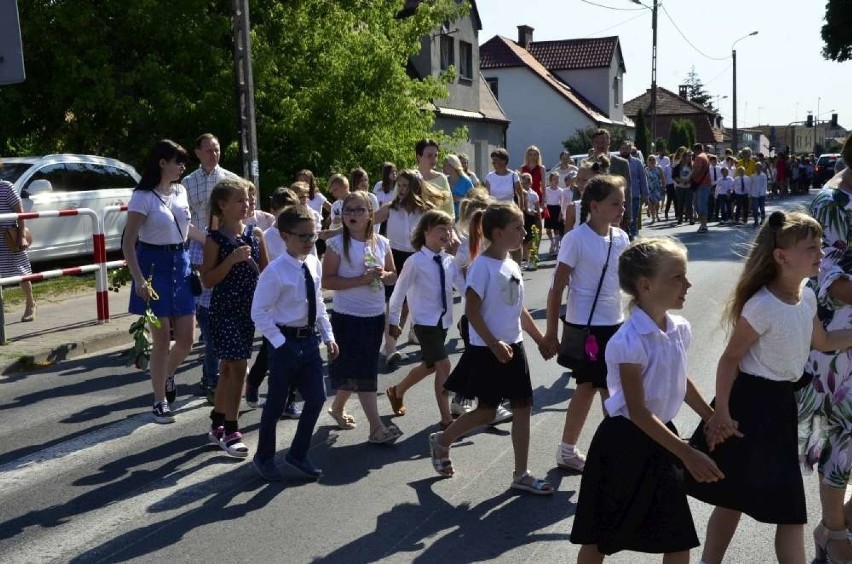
661 143
681 134
643 134
581 141
696 91
331 87
837 31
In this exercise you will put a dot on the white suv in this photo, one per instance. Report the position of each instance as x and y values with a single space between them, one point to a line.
61 182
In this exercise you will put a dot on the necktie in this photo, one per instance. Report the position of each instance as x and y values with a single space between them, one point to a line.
312 296
440 263
742 184
714 174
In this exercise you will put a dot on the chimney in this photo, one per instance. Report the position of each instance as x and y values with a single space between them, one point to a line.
525 36
683 91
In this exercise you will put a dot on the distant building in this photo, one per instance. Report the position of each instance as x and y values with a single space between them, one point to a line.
551 89
671 106
801 139
470 102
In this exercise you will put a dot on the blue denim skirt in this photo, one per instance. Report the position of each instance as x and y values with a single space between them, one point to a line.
169 273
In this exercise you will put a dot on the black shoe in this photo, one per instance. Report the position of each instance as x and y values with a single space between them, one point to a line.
171 389
305 467
267 470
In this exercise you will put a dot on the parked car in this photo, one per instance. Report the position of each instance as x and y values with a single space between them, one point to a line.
824 169
61 182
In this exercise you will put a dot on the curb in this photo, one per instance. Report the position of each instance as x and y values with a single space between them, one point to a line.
32 357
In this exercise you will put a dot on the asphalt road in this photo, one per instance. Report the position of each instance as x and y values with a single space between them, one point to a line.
85 476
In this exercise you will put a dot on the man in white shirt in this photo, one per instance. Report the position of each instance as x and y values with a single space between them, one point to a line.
199 184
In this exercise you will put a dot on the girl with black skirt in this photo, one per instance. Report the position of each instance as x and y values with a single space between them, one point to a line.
494 367
752 435
631 495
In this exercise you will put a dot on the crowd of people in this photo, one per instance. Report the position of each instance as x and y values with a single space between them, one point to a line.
198 248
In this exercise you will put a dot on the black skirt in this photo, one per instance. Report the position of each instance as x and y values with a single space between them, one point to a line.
480 375
359 339
553 221
595 372
631 494
762 475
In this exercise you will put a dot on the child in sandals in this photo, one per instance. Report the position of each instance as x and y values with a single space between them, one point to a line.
494 367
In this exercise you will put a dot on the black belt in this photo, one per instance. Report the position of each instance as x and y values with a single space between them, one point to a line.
298 332
175 247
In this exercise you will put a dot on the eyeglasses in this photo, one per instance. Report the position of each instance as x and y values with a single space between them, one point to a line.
354 211
304 237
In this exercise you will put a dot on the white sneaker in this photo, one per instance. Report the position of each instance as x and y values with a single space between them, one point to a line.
574 460
502 415
457 409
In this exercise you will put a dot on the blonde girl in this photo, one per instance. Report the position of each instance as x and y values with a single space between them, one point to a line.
234 255
588 260
360 181
752 435
413 198
427 286
632 495
358 263
498 319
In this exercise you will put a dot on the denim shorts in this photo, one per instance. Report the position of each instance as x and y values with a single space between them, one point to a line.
702 194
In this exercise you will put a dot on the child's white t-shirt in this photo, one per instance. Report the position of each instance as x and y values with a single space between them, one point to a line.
360 301
662 356
785 330
585 252
500 285
317 202
532 202
553 197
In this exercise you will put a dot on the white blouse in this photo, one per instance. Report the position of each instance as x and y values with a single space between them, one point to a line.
502 187
400 226
360 301
662 356
160 213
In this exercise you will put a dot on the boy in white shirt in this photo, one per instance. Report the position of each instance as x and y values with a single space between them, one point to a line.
532 217
757 191
742 186
724 193
288 309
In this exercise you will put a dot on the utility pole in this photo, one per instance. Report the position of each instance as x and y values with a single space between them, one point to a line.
735 138
244 82
654 75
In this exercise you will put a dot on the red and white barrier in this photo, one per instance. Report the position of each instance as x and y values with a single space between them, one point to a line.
100 264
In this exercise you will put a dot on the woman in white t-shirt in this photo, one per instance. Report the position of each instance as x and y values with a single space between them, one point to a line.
154 247
589 259
503 184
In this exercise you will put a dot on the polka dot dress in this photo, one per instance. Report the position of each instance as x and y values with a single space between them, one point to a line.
231 326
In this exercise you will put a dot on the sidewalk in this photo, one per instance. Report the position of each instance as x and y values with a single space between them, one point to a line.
63 329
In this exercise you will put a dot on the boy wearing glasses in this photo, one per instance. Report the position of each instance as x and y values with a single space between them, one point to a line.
288 309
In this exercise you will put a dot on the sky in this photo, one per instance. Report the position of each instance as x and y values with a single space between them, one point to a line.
781 74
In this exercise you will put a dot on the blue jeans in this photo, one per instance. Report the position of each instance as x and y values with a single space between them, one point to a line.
636 219
758 207
296 363
210 368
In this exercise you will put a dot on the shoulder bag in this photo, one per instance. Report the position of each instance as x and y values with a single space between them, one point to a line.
579 347
194 277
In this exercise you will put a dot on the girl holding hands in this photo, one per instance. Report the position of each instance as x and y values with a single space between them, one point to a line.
752 435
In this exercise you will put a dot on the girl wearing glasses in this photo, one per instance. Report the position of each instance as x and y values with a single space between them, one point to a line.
413 198
234 255
357 264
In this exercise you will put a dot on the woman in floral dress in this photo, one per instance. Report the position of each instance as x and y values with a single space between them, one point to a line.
825 403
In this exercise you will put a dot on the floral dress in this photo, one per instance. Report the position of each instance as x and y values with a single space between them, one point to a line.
825 404
231 327
654 187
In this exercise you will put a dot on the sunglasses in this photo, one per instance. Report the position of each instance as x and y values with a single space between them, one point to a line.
304 237
354 211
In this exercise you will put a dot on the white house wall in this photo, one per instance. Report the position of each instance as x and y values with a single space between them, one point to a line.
539 115
595 85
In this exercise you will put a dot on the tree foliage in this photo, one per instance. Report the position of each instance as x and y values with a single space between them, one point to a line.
581 141
643 134
331 88
681 134
696 92
837 31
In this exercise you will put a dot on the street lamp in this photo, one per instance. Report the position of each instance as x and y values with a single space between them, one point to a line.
735 139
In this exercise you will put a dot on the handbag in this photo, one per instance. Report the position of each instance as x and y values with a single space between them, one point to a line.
579 347
194 277
12 235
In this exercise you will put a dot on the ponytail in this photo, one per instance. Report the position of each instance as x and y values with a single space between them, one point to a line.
474 233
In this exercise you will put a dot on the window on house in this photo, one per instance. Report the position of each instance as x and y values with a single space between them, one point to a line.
493 85
448 52
615 90
465 60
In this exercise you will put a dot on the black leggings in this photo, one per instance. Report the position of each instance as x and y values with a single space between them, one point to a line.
671 198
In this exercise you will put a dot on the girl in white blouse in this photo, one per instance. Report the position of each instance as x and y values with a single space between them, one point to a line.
631 494
752 435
